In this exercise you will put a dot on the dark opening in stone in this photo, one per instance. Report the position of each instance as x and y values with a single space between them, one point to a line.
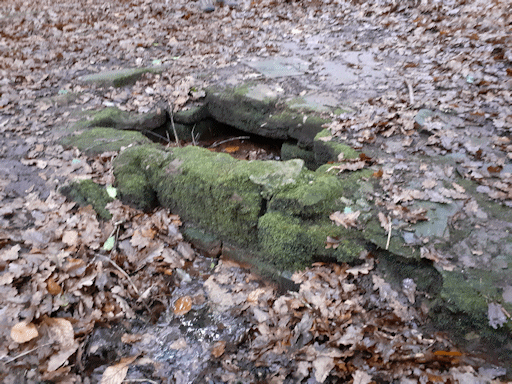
219 137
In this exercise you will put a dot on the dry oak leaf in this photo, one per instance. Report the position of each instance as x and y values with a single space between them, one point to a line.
23 332
345 219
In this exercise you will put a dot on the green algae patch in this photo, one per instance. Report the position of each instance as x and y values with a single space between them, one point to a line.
95 141
87 192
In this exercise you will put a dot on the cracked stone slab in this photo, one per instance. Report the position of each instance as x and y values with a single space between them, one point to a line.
279 67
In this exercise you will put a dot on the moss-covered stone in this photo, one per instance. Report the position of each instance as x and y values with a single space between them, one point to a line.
310 200
257 108
87 192
115 118
291 243
134 186
192 115
119 78
306 131
329 151
283 241
230 197
95 141
292 151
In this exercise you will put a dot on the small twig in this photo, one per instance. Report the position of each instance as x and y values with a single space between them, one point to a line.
26 353
411 92
173 127
389 232
193 138
157 135
216 144
139 381
122 272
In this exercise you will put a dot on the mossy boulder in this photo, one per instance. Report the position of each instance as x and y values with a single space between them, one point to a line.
261 109
113 117
121 77
95 141
267 206
87 192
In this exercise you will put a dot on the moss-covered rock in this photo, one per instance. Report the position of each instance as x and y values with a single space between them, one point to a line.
258 108
119 78
87 192
291 243
192 115
327 150
292 151
132 178
231 198
95 141
115 118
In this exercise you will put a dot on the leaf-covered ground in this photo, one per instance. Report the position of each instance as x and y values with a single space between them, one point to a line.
345 324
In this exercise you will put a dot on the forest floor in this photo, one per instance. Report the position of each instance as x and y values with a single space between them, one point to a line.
154 310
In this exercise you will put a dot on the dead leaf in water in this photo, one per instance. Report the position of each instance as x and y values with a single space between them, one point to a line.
219 348
183 305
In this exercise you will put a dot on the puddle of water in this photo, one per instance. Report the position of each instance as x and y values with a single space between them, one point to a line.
182 345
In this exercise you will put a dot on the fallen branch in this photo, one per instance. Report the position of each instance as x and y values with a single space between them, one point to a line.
122 272
411 92
26 353
173 127
216 144
389 232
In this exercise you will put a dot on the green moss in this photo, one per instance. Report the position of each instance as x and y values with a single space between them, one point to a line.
87 192
291 151
284 242
290 243
120 78
309 200
211 190
130 168
329 151
98 140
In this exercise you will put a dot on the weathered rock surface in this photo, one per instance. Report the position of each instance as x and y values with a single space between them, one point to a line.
450 238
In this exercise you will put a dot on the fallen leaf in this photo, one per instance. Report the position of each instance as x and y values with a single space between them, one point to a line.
115 374
183 305
361 377
218 348
322 366
52 287
345 219
23 332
